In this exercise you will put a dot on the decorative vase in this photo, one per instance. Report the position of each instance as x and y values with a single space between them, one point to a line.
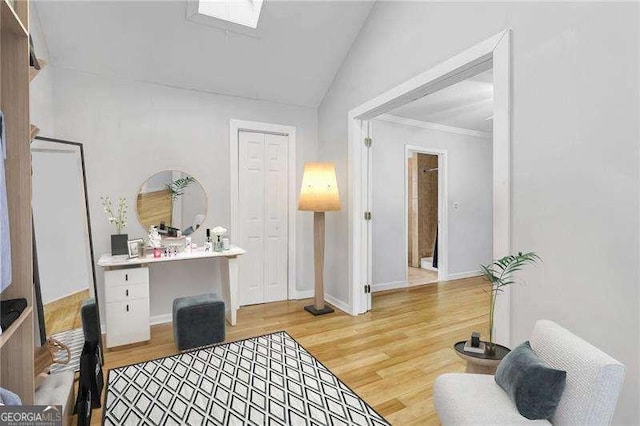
119 244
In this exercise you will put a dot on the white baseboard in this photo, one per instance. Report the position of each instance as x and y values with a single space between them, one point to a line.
460 275
302 294
337 303
165 318
153 320
161 319
388 286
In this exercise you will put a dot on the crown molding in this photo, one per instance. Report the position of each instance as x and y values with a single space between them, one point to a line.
434 126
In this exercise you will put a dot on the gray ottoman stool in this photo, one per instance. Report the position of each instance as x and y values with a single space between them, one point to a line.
198 321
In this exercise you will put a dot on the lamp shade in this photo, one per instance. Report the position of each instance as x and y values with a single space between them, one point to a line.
319 192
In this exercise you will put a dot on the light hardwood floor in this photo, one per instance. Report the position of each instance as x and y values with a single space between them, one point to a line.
419 276
389 356
64 314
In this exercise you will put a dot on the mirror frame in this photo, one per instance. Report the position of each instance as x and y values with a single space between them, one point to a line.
36 274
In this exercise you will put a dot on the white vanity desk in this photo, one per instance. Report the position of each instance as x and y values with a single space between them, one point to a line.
127 291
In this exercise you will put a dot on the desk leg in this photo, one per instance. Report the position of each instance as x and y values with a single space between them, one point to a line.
230 289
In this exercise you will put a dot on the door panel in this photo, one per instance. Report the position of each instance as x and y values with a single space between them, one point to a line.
263 205
251 186
276 218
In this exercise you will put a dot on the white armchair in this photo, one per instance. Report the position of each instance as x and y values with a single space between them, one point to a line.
594 380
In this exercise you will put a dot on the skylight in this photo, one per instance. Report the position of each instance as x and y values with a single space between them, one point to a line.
240 12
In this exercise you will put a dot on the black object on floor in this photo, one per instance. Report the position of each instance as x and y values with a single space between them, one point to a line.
312 309
90 384
91 324
10 310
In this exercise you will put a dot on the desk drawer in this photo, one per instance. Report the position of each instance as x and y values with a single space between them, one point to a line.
128 322
123 293
120 277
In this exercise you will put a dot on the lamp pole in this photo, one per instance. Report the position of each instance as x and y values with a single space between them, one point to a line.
318 253
319 193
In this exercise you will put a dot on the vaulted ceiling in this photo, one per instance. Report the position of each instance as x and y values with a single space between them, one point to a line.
299 48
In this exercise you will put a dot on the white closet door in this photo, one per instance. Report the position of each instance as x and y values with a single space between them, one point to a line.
263 217
251 186
275 265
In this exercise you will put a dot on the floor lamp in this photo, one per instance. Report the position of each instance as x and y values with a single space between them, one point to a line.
319 194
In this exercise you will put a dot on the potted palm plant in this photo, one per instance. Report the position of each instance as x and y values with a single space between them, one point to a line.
501 274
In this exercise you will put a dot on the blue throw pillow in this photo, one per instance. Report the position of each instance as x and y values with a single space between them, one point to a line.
535 388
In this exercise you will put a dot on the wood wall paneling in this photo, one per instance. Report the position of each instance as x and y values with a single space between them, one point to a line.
14 101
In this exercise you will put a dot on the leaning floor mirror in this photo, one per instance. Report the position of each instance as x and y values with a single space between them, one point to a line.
64 271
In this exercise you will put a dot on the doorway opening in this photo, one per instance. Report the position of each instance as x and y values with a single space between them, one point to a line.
492 54
435 224
422 217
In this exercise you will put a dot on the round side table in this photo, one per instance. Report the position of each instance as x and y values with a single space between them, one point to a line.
481 363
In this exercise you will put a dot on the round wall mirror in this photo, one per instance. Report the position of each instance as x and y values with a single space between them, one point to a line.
171 198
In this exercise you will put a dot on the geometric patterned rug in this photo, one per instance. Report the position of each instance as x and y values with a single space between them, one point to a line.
265 380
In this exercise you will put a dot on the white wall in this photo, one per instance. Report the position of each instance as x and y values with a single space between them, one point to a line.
131 130
41 87
157 182
575 132
469 184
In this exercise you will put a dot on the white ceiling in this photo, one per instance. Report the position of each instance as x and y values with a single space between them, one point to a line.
301 46
467 104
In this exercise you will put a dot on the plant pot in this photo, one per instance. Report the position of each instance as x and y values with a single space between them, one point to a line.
119 244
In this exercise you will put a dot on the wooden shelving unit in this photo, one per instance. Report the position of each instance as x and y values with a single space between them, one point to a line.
17 342
11 22
33 72
6 334
33 132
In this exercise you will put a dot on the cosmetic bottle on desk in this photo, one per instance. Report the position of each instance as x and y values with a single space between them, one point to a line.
217 244
218 231
208 245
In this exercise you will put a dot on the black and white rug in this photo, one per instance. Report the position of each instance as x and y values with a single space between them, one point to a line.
74 339
266 380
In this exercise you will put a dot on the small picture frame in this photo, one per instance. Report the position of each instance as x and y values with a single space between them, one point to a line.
134 247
